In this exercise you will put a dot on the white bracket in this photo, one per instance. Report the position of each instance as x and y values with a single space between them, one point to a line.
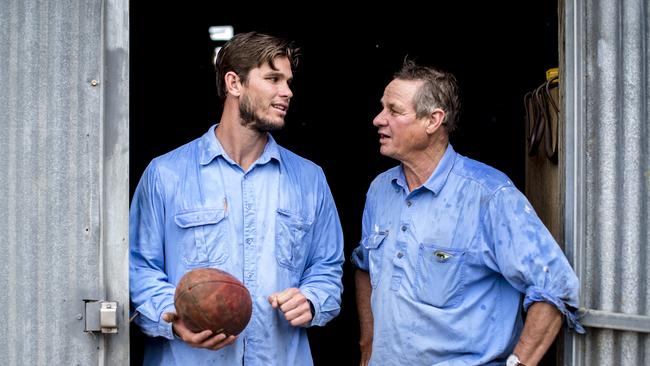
101 316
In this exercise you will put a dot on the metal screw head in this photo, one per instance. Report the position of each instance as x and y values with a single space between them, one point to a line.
94 82
79 316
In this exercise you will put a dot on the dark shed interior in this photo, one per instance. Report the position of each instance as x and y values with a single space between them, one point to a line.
497 50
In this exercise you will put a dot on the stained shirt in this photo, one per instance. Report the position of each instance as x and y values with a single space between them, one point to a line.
450 262
273 226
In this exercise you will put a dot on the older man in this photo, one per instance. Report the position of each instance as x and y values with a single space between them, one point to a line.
449 246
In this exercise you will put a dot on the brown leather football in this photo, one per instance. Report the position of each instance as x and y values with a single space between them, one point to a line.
209 298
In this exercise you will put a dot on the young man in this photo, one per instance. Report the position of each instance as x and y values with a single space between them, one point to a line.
235 200
449 246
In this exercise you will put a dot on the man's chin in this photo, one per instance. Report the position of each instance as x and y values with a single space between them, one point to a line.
267 126
385 152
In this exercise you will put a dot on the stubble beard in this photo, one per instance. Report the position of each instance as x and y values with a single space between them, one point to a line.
252 120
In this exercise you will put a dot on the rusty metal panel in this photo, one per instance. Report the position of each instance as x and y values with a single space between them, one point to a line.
608 176
62 154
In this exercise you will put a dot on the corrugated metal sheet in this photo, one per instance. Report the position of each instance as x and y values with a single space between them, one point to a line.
608 67
53 181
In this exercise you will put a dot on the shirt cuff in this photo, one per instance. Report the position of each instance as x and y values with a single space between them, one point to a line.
358 259
537 294
314 306
165 328
311 308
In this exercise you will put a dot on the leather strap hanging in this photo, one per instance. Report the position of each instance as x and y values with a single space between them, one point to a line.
541 117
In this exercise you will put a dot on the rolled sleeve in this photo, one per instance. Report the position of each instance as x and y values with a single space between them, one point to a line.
526 254
359 258
535 294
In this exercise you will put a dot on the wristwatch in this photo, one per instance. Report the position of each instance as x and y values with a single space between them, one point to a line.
513 360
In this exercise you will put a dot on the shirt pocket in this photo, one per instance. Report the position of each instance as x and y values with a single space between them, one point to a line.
440 278
204 236
291 239
374 244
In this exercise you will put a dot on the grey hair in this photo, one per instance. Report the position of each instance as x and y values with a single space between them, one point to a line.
438 90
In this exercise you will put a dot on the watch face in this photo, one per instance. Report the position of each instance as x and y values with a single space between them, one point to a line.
512 360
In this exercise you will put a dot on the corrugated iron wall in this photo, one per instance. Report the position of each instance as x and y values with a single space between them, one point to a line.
608 102
54 219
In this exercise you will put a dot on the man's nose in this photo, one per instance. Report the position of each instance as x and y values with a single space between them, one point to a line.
285 91
379 120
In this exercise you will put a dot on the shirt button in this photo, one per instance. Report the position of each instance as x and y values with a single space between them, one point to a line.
249 275
399 255
403 227
409 203
249 240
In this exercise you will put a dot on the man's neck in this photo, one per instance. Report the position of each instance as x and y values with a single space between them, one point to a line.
419 169
242 144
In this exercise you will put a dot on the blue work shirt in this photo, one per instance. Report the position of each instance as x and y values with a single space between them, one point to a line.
449 263
273 227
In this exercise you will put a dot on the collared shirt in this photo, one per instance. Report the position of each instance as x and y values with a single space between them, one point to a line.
449 263
273 227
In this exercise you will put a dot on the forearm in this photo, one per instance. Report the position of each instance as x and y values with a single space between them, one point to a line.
363 294
543 322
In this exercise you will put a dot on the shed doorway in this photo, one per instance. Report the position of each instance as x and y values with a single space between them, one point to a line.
498 51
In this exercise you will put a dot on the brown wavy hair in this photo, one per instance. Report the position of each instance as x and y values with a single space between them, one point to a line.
246 51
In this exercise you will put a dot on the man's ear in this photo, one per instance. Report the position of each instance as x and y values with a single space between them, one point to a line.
233 83
435 120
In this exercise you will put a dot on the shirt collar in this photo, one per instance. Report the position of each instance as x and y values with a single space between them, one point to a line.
437 180
210 148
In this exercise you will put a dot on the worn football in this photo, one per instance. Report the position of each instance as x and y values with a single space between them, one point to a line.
208 298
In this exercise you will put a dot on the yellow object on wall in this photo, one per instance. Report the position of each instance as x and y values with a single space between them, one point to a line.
552 73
